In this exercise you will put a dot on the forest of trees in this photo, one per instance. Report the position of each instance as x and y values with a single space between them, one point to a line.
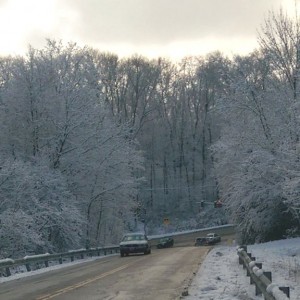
92 144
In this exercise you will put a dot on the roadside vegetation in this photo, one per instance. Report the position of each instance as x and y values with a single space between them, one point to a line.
93 145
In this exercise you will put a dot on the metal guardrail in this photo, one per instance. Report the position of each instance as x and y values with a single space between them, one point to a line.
27 261
224 229
262 280
7 264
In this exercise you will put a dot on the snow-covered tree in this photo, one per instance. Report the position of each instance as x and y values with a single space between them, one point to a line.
38 213
53 112
256 153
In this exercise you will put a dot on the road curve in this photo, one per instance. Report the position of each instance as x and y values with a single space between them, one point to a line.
162 275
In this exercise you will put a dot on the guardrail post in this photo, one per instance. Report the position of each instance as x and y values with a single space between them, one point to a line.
259 265
244 247
72 258
251 280
286 290
28 267
268 275
7 270
46 263
60 260
257 290
241 261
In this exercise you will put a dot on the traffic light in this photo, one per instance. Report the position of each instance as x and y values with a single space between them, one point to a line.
218 204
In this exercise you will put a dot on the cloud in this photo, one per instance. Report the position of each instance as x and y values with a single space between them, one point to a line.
148 27
164 21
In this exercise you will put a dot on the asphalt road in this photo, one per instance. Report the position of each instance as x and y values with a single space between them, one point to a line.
164 274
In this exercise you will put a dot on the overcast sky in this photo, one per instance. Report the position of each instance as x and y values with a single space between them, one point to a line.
169 28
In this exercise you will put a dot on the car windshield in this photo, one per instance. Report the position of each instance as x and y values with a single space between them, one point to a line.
133 237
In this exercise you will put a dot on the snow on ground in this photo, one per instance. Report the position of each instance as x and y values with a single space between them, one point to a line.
220 277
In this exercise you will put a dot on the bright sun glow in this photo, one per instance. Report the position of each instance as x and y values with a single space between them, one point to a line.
178 50
290 6
19 19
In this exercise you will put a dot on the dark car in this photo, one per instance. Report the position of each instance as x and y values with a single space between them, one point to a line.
134 243
201 241
166 242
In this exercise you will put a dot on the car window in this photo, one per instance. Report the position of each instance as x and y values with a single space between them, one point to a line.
133 238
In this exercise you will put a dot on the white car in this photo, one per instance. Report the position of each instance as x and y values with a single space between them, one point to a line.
213 238
134 243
